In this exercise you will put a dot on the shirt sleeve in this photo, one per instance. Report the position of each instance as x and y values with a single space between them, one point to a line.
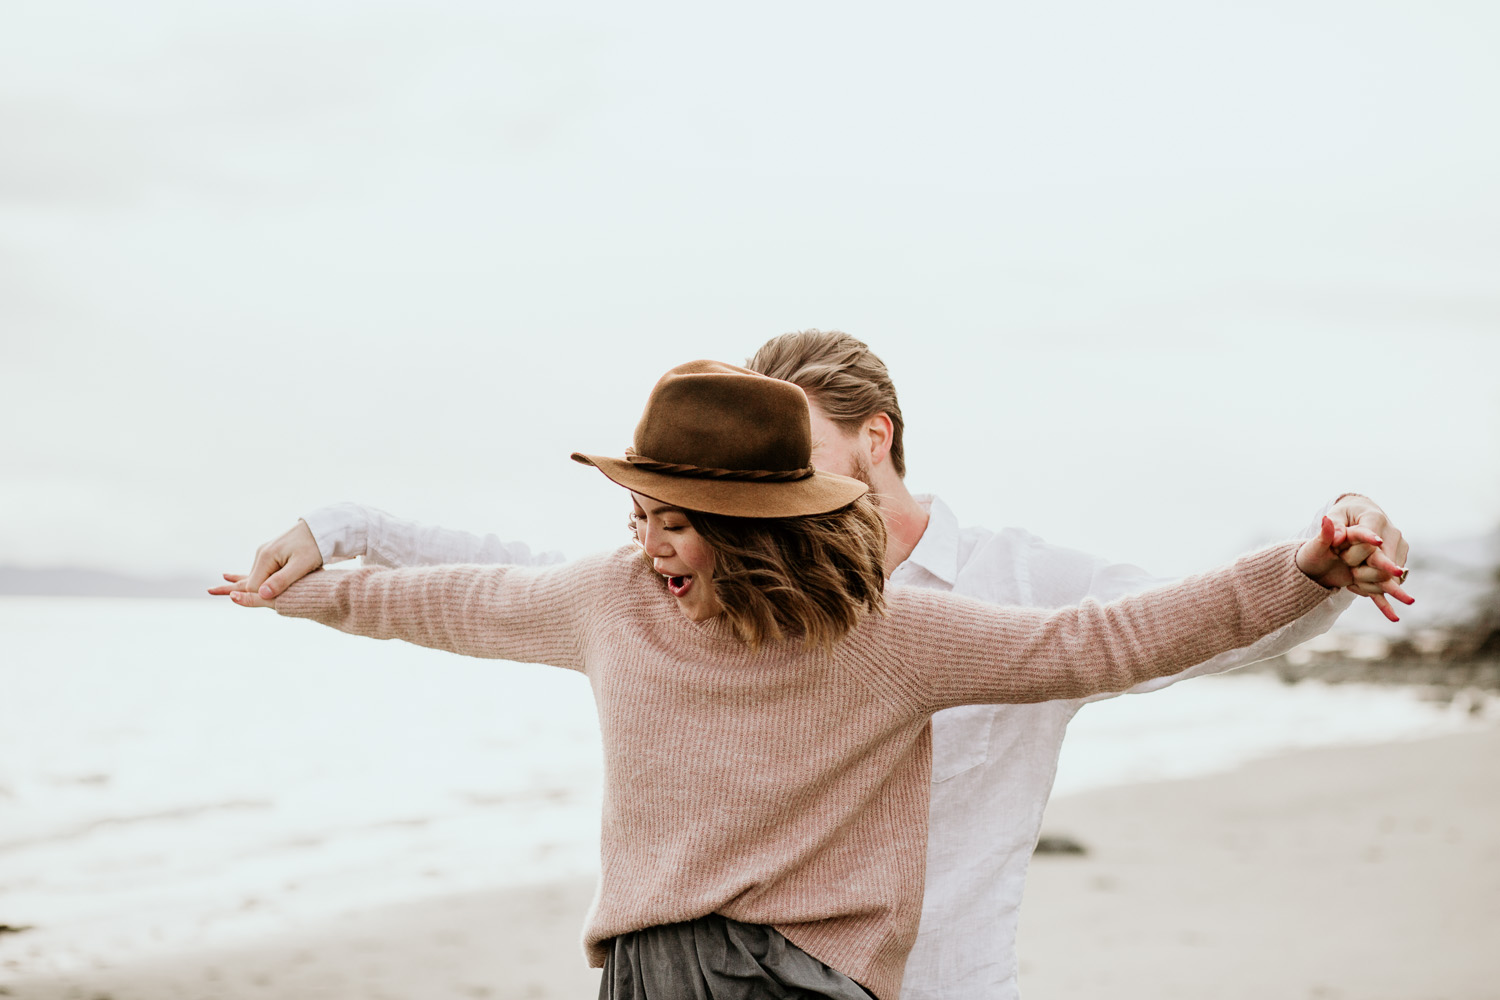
534 615
346 530
968 652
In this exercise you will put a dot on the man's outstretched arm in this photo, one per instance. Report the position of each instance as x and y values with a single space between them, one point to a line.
347 530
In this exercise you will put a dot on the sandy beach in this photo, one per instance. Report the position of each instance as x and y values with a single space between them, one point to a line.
1369 872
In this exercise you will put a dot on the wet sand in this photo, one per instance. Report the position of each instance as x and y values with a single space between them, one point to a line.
513 943
1369 873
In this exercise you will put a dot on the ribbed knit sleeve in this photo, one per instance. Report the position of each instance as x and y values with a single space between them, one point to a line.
499 612
962 651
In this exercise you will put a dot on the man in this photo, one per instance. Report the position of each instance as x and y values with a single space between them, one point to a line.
993 766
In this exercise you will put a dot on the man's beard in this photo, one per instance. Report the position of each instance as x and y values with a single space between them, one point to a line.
865 474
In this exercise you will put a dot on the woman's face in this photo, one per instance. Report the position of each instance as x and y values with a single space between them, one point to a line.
679 554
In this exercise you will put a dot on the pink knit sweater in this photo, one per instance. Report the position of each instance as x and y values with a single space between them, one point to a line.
789 786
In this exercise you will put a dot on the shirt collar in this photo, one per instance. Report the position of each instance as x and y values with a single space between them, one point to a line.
937 549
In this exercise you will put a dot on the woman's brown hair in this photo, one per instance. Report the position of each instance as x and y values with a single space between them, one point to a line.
811 577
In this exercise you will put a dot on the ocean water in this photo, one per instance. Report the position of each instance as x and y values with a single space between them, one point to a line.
176 774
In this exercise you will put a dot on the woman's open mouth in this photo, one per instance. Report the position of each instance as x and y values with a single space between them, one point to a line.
679 585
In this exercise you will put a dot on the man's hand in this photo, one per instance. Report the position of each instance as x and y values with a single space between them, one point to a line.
1323 559
1378 568
279 563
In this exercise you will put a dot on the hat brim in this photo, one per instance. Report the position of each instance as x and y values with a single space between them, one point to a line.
817 494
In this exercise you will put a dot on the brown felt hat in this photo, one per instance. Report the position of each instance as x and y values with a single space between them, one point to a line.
727 440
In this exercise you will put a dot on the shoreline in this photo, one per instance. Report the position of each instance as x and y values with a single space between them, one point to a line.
1369 872
1444 678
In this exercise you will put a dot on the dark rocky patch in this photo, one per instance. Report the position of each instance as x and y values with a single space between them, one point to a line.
1058 844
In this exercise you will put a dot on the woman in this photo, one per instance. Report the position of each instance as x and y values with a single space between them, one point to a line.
763 703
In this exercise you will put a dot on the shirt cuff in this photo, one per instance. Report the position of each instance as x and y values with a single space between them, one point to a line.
341 531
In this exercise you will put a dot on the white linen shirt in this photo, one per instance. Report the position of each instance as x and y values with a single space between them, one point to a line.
993 765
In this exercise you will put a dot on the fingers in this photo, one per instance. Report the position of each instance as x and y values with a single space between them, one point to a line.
1336 576
1393 588
1370 582
1331 534
1370 526
1362 541
236 592
268 560
251 600
283 578
1315 556
1320 559
1382 563
283 561
278 564
1374 553
1395 545
1385 607
1377 553
223 590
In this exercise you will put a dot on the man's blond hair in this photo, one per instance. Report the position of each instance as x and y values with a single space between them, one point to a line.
840 374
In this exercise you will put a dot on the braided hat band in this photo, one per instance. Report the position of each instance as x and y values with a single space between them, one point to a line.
703 472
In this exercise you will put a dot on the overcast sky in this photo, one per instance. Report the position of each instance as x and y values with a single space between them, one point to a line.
1154 280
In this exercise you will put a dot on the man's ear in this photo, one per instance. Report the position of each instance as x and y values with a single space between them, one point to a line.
878 431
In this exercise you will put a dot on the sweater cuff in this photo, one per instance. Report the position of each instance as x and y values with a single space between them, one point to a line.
1290 592
314 596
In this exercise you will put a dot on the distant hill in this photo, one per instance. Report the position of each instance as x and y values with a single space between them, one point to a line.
67 581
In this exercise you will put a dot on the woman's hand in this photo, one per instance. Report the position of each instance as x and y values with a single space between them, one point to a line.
278 564
1323 559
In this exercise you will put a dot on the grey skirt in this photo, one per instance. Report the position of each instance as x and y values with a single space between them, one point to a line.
715 958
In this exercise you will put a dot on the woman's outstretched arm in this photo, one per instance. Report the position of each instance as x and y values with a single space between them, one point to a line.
967 652
535 615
